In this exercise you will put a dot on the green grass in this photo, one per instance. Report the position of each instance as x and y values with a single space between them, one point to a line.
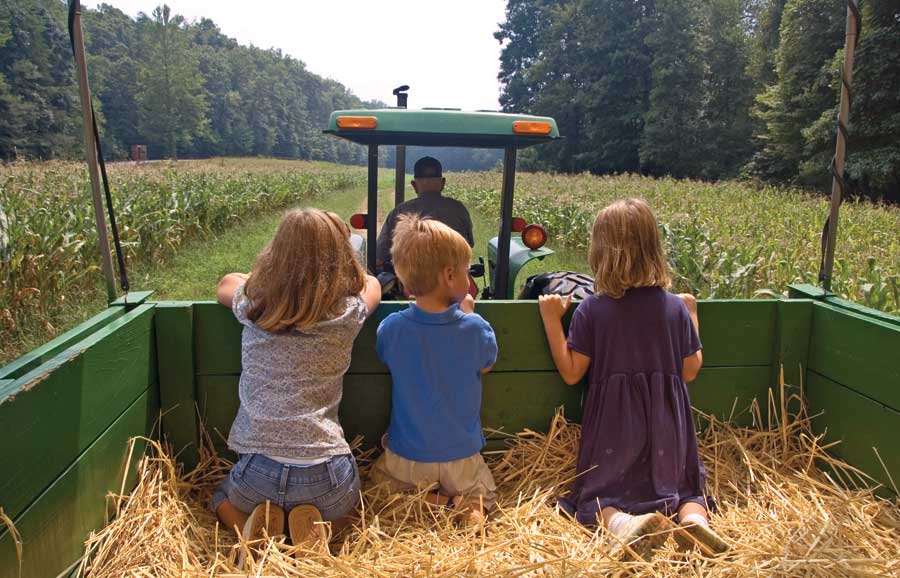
192 273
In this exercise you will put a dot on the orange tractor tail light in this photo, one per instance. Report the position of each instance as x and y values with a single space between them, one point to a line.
534 236
537 127
357 122
518 224
358 221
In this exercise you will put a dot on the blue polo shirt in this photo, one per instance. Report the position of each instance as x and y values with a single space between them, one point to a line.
436 361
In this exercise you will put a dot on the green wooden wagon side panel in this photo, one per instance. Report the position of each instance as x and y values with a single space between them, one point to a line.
858 352
53 528
737 332
792 337
817 293
734 333
511 402
728 392
217 340
174 323
60 408
22 365
860 424
217 400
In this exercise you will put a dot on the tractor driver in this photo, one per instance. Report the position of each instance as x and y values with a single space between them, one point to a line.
428 181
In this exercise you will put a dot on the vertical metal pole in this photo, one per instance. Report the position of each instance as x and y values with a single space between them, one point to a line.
840 150
400 175
372 216
90 147
501 279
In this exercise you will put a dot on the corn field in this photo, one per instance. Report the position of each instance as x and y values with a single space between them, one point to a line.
724 240
52 255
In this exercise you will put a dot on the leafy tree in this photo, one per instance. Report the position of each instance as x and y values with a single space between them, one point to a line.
811 33
39 92
110 42
873 166
728 86
672 141
170 96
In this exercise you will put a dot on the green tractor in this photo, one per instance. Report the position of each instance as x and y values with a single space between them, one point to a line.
517 242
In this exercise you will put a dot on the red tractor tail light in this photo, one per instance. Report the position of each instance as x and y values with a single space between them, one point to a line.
518 224
358 221
534 236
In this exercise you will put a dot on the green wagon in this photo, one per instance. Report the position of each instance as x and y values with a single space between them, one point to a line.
68 408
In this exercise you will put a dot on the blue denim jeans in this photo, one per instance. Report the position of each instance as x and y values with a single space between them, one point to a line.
332 487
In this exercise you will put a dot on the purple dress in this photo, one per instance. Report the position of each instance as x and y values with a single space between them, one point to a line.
638 444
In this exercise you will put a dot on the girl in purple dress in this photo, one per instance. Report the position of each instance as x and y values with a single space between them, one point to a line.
638 344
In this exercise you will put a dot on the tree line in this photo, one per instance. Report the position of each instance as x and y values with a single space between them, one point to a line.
707 89
704 89
182 88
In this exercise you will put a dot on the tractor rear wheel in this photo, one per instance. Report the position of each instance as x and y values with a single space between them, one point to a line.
564 283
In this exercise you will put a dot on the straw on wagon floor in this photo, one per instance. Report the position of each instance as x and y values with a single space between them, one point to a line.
786 508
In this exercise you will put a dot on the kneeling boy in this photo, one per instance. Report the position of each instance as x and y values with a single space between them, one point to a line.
437 350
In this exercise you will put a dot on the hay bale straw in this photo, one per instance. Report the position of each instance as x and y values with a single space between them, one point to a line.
786 507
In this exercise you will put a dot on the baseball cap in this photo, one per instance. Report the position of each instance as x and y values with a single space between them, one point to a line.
427 167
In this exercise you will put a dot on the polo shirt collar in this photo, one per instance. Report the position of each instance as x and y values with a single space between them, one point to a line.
445 317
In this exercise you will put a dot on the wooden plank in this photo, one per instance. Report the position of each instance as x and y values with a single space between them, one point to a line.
62 406
366 407
734 333
859 423
22 365
54 527
217 399
132 299
737 332
793 329
728 392
858 352
514 401
806 291
819 294
217 340
175 359
366 404
863 310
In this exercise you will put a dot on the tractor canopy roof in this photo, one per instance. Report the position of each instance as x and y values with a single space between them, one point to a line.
442 127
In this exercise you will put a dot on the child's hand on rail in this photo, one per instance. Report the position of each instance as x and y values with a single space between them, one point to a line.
553 307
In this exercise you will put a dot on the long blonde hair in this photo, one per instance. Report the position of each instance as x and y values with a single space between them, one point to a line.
305 274
626 250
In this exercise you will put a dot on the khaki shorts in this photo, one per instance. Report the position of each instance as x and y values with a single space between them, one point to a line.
468 477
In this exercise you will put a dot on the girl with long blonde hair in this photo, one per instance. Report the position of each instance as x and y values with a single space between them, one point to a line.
639 345
301 308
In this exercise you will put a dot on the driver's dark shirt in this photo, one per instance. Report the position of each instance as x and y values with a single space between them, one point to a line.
444 209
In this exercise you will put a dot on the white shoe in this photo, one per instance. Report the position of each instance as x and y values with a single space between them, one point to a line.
642 535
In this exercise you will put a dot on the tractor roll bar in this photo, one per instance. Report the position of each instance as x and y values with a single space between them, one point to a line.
372 217
506 206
